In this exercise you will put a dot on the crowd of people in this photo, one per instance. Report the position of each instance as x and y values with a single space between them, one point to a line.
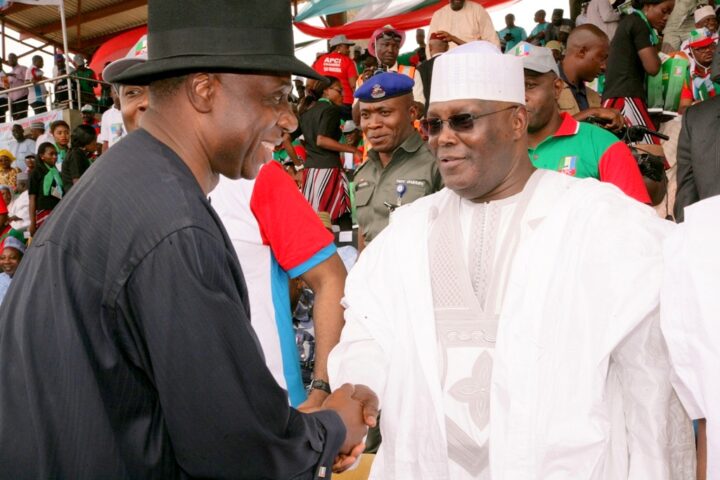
404 230
44 91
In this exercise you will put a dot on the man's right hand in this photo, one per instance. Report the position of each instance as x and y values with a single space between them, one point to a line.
358 409
612 119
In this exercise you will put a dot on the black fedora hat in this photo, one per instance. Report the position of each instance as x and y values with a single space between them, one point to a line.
186 36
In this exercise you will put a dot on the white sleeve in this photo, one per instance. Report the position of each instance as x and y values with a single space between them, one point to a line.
647 396
104 127
364 351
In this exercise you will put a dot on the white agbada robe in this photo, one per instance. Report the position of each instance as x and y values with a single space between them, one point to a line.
691 317
580 378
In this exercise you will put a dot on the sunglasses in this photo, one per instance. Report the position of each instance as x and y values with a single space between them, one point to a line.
462 122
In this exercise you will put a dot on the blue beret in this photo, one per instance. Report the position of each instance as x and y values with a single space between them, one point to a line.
383 86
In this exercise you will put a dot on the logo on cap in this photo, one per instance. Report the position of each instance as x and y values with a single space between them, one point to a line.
377 91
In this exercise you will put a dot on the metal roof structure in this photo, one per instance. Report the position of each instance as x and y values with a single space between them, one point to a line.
89 22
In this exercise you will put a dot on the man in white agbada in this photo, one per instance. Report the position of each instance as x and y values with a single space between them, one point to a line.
509 323
690 306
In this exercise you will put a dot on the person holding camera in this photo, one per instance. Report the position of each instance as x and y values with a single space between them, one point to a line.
556 141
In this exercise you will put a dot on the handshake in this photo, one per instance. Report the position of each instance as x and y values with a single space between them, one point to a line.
357 407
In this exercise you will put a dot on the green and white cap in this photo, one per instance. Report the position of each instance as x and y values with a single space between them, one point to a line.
137 54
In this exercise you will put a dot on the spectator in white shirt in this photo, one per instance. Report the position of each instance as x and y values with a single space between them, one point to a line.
20 146
37 92
18 98
111 125
19 208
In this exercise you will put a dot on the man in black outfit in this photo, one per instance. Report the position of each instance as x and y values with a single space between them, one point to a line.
126 349
698 155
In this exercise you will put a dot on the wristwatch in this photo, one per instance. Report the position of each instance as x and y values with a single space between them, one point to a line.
317 384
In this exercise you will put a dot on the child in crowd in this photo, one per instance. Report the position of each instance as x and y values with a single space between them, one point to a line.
30 164
60 131
10 256
83 143
46 187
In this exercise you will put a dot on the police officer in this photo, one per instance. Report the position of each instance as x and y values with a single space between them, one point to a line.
399 168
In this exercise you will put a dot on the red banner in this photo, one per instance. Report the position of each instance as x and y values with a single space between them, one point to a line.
116 47
361 30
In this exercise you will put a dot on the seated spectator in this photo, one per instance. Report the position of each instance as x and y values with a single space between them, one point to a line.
60 131
37 92
46 187
585 59
37 129
83 143
325 184
40 134
679 24
8 174
88 117
400 168
6 195
20 146
12 253
19 208
704 18
30 164
556 141
700 86
633 55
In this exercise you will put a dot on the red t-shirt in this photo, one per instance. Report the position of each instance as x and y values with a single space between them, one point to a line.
3 206
341 67
288 224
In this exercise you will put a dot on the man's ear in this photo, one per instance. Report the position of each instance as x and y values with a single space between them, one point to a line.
414 110
201 90
519 122
558 86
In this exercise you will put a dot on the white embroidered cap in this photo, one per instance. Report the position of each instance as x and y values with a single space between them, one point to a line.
478 71
703 12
